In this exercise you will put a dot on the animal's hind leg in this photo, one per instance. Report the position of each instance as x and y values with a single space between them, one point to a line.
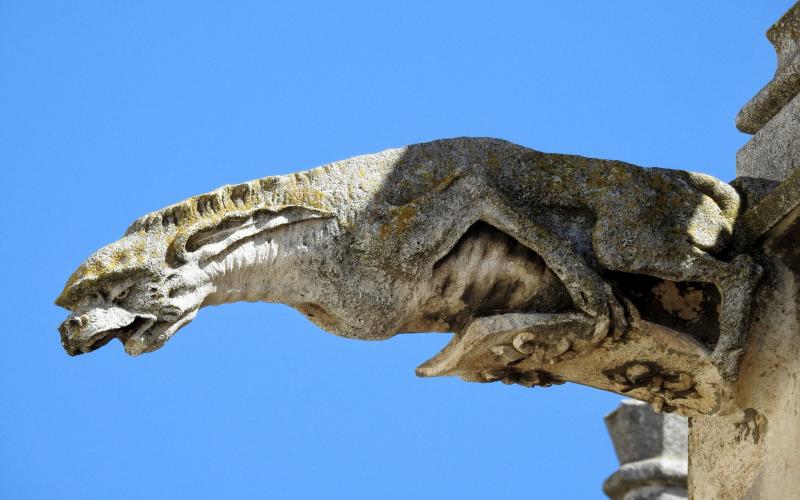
735 280
590 293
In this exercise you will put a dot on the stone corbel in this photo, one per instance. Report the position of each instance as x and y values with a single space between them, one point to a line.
670 370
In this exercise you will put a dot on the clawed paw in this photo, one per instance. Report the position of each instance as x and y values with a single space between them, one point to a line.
612 320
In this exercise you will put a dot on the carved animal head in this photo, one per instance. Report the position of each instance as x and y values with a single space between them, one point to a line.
144 287
125 291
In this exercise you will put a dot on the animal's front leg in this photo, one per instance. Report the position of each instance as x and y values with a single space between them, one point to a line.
492 344
590 293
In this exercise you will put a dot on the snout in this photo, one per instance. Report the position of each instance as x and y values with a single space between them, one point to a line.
90 330
71 329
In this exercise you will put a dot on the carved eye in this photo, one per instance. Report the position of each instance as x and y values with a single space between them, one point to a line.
178 290
121 295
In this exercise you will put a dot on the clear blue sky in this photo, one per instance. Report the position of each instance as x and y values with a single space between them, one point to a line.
109 110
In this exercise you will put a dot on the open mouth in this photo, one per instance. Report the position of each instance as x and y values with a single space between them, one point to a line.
137 327
138 332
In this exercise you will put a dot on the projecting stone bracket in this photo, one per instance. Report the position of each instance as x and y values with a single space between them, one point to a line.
650 362
770 215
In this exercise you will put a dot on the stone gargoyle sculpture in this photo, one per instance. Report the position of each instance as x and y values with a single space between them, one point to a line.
546 267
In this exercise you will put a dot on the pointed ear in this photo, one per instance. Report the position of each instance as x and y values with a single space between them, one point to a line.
206 239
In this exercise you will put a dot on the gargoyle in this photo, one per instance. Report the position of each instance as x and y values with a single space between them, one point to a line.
514 250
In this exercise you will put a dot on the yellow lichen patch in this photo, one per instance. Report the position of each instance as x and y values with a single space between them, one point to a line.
401 219
492 162
441 184
129 253
597 180
621 172
303 196
275 191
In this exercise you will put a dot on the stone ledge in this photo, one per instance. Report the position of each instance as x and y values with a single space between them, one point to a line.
785 37
771 210
773 153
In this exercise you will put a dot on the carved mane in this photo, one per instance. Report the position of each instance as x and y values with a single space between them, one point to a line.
274 192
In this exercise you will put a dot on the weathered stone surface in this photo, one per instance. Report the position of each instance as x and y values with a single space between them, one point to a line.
747 453
652 363
652 451
769 211
547 267
785 85
773 154
753 451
